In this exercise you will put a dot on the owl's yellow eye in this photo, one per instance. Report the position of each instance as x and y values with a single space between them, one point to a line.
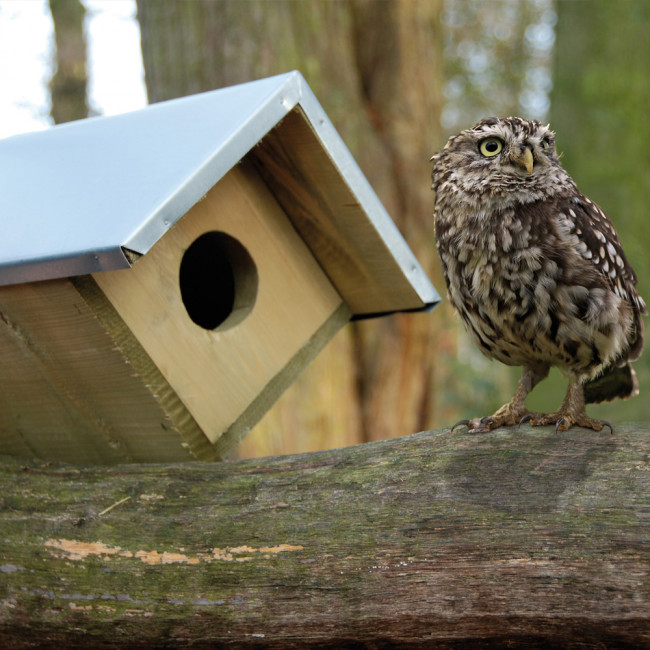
490 147
546 145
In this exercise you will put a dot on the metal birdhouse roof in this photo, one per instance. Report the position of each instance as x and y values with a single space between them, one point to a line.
74 197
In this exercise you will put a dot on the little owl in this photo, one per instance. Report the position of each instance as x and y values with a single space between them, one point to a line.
535 269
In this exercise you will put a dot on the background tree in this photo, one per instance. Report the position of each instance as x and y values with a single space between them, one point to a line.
376 68
599 109
69 82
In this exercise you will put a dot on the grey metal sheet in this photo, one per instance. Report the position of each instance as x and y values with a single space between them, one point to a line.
82 190
71 197
367 198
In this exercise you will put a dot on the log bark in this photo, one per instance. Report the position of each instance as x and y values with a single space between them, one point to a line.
517 538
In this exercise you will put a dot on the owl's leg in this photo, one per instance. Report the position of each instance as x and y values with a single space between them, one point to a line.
512 412
571 413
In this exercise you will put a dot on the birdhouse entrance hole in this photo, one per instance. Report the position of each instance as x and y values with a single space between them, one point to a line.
218 281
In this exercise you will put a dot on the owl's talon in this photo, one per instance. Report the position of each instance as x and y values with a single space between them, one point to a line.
608 424
526 418
559 425
465 423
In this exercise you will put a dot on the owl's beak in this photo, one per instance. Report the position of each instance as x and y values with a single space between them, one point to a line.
525 159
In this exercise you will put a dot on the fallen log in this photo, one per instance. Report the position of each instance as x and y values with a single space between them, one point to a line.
438 540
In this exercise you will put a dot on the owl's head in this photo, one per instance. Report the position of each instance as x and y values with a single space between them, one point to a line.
499 158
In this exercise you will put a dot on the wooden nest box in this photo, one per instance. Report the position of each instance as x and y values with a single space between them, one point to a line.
167 273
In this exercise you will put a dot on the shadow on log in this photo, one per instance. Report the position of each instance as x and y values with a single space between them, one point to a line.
513 538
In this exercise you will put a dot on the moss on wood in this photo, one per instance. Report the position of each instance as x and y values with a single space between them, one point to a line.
435 540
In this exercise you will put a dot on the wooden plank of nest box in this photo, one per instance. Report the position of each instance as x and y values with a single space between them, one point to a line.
112 368
228 378
356 254
517 538
68 392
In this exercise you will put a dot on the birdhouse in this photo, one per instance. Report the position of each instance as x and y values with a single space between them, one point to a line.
167 273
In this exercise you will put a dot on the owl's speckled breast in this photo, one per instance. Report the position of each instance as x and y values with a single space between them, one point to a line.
523 293
491 277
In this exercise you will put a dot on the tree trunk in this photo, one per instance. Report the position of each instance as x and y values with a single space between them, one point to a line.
599 109
516 538
68 85
375 67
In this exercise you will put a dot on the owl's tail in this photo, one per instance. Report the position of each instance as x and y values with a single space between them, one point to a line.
618 382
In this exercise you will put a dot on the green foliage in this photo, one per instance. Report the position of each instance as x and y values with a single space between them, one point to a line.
599 111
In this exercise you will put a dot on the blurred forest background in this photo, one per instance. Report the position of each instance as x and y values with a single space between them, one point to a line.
397 77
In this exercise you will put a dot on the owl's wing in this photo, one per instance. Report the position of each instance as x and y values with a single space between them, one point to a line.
599 243
599 246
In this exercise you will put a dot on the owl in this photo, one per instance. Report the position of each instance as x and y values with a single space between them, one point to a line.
535 270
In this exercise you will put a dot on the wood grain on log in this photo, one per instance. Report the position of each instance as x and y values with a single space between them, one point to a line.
517 537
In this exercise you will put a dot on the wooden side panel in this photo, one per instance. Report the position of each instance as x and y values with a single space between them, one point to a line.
220 374
68 393
323 209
